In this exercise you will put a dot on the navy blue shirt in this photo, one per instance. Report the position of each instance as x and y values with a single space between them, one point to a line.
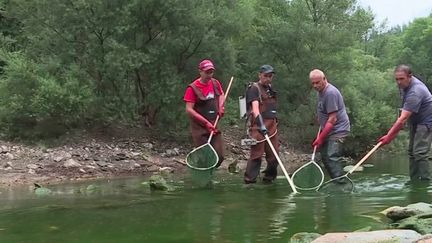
418 100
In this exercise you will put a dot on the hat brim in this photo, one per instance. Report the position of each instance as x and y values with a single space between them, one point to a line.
208 68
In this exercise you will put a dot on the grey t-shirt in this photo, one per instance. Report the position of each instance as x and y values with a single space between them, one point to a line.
418 100
331 101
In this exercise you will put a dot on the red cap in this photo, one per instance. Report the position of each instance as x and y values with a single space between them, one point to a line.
206 65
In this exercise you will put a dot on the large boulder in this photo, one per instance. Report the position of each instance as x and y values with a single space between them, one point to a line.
372 236
421 223
421 207
425 239
397 213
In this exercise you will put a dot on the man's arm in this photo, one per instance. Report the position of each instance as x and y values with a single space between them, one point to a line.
258 118
397 126
255 108
196 116
332 118
328 127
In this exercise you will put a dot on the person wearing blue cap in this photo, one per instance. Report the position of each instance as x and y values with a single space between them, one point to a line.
261 105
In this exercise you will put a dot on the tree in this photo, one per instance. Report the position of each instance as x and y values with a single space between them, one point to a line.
417 51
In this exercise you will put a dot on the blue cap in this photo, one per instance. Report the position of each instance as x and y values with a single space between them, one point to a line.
266 69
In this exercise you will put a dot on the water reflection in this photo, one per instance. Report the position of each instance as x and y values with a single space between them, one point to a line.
126 211
280 218
335 212
419 191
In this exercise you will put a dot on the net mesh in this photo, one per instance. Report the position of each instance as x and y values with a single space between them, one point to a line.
201 162
308 177
201 178
202 158
338 185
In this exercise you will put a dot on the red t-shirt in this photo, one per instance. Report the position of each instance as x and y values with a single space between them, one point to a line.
206 89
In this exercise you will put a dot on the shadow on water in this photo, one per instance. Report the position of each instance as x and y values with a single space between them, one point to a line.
126 210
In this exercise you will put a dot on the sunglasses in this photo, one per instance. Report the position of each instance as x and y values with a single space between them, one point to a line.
268 75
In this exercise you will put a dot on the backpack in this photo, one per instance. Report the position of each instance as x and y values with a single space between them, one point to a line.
245 114
244 110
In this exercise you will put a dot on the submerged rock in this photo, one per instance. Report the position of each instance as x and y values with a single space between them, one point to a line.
349 167
41 191
91 189
234 167
304 237
157 182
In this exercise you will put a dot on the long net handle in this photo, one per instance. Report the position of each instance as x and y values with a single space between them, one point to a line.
217 117
365 158
315 147
281 165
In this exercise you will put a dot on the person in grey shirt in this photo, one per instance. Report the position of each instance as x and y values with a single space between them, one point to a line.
334 122
417 109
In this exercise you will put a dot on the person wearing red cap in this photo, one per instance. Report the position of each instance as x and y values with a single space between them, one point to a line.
204 100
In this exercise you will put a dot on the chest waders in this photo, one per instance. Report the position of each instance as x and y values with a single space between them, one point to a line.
204 158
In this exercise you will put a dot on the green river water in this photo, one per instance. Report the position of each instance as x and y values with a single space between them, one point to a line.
124 210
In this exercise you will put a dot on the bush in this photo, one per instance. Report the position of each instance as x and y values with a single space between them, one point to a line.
33 103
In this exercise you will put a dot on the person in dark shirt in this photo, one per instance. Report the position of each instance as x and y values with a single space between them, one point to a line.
261 105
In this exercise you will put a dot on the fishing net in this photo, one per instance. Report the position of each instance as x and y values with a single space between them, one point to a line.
308 177
342 184
201 162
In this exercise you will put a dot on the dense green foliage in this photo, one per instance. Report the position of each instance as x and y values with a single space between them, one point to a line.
76 63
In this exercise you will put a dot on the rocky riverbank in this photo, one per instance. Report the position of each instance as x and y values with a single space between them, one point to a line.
111 153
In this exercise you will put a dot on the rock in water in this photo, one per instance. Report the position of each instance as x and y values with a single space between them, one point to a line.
157 182
368 165
234 168
371 236
41 191
349 167
304 237
421 223
396 213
